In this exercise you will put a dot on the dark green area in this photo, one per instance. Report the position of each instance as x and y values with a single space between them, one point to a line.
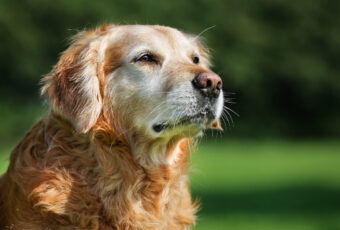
279 57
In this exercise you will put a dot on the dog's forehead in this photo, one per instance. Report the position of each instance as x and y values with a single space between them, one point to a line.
154 37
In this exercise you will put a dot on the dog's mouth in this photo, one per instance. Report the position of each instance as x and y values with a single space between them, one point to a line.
200 119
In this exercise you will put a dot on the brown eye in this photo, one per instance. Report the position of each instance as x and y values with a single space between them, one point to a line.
196 60
146 58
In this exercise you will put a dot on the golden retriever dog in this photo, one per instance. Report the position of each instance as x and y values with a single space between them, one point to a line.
112 151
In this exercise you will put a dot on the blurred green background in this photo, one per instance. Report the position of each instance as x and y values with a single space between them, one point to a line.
279 166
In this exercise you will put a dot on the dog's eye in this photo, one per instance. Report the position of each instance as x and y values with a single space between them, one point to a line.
196 60
146 58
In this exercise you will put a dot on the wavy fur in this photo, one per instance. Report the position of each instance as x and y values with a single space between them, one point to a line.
79 167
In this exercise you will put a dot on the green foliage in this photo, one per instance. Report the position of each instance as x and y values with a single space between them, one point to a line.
279 57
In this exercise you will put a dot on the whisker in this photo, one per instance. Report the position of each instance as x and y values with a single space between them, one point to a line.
205 30
229 109
231 119
225 117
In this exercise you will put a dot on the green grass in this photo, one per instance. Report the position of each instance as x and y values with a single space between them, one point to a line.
249 185
263 185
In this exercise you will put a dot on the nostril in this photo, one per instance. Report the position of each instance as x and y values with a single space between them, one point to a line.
209 83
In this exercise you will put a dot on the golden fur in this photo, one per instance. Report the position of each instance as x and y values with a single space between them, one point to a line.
88 165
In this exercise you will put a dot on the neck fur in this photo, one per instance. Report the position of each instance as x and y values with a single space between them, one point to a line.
146 174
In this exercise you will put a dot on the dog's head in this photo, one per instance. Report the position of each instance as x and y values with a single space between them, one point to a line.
149 80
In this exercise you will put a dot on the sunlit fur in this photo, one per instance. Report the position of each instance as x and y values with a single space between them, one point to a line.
94 161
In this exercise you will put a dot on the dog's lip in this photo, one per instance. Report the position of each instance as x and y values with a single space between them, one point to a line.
202 118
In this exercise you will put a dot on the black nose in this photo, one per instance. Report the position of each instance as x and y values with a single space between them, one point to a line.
210 84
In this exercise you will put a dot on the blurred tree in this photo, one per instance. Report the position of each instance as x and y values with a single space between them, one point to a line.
280 57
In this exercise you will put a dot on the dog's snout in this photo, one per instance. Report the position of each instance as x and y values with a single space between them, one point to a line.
210 84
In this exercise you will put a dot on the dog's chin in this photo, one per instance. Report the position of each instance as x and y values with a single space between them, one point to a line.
188 125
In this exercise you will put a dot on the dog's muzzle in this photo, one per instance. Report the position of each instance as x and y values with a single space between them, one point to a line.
208 83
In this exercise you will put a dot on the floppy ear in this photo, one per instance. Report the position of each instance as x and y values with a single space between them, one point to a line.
73 87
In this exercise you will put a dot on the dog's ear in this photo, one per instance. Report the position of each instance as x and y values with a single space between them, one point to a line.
73 86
